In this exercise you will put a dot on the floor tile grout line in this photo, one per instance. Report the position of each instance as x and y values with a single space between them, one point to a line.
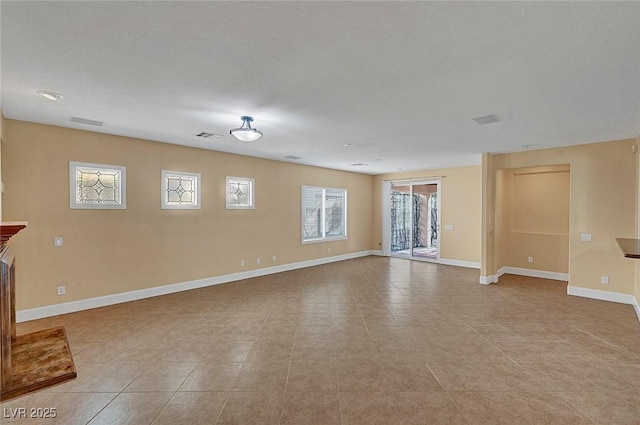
104 407
222 408
286 382
162 408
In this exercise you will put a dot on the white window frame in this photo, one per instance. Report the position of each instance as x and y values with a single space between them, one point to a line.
252 189
74 196
324 237
164 202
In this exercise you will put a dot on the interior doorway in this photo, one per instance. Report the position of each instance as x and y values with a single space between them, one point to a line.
414 220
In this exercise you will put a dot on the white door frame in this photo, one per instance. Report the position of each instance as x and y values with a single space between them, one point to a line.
386 218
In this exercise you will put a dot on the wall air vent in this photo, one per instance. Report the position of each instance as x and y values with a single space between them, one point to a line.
207 135
86 121
488 119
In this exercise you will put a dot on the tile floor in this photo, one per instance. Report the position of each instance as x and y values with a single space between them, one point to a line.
361 342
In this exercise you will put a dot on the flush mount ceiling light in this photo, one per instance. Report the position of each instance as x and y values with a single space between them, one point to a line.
50 95
246 133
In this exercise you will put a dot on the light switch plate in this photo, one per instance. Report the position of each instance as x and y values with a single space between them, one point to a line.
585 237
57 241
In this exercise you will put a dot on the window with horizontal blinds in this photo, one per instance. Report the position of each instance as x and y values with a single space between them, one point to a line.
324 214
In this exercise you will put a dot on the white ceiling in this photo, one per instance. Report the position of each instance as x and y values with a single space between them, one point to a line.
397 81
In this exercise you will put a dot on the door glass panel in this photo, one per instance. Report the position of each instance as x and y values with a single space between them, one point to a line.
425 241
401 205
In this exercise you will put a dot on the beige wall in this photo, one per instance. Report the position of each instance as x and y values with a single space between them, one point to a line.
113 251
532 218
488 235
603 203
636 263
461 202
1 138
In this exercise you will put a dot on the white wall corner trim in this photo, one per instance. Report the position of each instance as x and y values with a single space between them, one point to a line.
123 297
488 280
459 263
597 294
533 273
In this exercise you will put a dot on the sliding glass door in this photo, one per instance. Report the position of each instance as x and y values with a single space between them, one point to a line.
415 220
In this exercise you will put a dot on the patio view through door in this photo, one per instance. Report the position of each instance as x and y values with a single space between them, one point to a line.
415 220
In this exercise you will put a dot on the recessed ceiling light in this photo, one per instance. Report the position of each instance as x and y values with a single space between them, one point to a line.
487 119
50 95
346 145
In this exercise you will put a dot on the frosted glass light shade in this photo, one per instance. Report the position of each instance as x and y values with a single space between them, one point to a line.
246 133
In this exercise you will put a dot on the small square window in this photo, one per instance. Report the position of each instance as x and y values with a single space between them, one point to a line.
97 186
240 193
180 191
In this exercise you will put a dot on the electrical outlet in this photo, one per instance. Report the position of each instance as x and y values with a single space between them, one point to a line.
448 227
258 260
585 237
58 241
328 250
604 280
529 259
62 290
273 259
241 263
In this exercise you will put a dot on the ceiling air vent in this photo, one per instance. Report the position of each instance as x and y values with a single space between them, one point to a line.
87 121
358 164
293 157
207 135
530 147
488 119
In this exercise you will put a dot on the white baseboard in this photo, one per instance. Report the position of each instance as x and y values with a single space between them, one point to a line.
488 280
445 261
636 306
533 273
459 263
86 304
597 294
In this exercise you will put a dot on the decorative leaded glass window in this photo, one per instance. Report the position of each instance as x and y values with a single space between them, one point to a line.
180 190
324 214
240 193
97 186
